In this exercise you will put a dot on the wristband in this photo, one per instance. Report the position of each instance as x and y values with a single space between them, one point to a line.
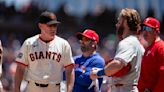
101 72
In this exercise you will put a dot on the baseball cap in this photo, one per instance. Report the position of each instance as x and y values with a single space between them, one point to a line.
152 22
91 34
48 18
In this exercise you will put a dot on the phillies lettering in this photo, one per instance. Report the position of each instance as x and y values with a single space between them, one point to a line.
45 55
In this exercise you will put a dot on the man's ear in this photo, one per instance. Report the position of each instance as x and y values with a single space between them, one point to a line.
94 43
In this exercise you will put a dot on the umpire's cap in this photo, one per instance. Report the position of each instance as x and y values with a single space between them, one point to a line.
48 18
91 34
153 23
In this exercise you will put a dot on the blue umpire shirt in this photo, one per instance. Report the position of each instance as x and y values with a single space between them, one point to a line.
83 67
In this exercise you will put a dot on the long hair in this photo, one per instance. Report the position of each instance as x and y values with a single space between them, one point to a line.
132 16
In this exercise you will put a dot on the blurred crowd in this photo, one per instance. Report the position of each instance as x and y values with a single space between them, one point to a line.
19 22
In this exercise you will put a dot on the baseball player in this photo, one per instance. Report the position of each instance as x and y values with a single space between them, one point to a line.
44 57
125 66
152 67
85 62
1 57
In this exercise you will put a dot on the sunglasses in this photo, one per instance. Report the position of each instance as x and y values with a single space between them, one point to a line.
147 28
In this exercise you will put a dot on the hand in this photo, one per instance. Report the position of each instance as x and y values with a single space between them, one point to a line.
93 74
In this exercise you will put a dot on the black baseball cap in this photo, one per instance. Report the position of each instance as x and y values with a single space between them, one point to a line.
48 18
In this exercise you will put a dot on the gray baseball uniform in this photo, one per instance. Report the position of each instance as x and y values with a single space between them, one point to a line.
129 51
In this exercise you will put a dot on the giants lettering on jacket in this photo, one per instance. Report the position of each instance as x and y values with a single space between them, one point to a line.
45 55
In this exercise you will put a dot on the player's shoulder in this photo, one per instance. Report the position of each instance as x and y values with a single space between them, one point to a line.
97 55
32 39
159 45
60 39
129 41
96 58
77 57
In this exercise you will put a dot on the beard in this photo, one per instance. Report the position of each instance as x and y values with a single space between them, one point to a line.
85 48
119 32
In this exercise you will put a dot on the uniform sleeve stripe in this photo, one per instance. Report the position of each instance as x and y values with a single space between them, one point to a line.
70 65
21 63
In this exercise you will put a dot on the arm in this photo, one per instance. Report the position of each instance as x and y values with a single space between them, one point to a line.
70 77
19 76
110 69
84 78
113 67
124 54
